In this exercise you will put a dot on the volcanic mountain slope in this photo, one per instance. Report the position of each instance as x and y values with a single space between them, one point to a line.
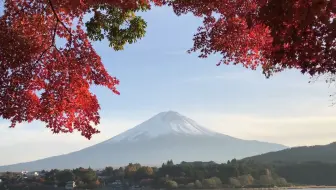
167 135
318 153
165 123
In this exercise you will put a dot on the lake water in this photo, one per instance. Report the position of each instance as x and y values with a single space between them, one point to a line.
316 189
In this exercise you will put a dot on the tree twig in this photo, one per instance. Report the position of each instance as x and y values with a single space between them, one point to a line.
51 45
59 20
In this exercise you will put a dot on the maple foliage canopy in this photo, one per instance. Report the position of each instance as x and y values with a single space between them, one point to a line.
40 80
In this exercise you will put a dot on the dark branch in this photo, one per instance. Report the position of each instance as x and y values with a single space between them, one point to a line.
51 45
59 20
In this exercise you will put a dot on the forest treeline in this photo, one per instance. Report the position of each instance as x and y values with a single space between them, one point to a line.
198 175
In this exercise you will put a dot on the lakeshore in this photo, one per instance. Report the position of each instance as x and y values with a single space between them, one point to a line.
312 187
277 188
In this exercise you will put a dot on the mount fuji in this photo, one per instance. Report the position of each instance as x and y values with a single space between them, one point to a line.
165 123
167 135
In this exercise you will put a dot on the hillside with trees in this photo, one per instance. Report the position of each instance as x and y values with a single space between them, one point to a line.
189 175
319 153
311 173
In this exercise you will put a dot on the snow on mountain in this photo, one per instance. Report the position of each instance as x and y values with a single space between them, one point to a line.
164 123
167 135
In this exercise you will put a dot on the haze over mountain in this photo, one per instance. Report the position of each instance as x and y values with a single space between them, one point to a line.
167 135
319 153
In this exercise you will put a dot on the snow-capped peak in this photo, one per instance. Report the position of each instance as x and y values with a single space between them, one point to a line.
164 123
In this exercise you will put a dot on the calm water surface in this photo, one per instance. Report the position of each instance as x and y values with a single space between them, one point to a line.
318 189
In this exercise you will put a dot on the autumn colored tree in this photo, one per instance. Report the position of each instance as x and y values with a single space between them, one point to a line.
273 34
246 180
42 80
131 170
144 172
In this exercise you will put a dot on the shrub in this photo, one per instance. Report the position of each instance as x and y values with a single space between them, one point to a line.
246 180
234 182
171 184
198 184
190 185
213 182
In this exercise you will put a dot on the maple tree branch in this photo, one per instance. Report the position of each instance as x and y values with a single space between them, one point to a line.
69 31
51 45
59 20
54 36
58 50
42 54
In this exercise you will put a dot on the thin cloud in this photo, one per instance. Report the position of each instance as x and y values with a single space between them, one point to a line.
21 144
228 76
309 130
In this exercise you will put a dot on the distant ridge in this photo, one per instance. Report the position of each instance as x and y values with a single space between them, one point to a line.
167 135
318 153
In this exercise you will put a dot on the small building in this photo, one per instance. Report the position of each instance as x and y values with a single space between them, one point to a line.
117 185
136 187
32 174
29 174
103 177
99 172
70 185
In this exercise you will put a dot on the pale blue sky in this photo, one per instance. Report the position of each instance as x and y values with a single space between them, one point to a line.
157 75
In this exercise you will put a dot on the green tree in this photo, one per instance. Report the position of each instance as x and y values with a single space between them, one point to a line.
120 172
209 183
281 182
88 176
50 177
266 180
234 161
170 163
64 176
199 174
171 184
267 172
213 182
217 181
234 182
108 171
